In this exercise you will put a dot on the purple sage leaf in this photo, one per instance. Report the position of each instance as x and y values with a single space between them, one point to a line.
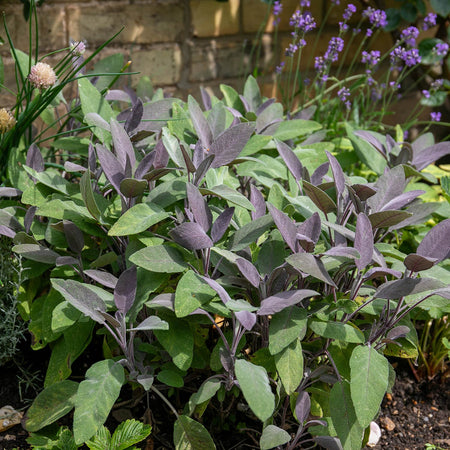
110 166
363 241
35 159
221 224
246 318
191 235
338 174
417 263
277 302
122 144
302 406
407 286
200 123
431 154
230 143
105 278
134 119
290 158
199 207
125 290
402 200
249 271
436 243
319 173
74 236
285 225
257 200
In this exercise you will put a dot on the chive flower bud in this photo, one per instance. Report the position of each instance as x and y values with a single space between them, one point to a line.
7 120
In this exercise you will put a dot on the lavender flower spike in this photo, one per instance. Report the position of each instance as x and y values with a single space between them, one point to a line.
429 21
377 17
409 36
277 8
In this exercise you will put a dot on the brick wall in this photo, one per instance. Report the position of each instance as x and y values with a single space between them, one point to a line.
180 44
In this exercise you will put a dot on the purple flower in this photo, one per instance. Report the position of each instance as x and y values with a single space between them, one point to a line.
290 51
435 116
369 32
305 3
377 17
319 64
302 22
335 46
279 68
336 2
375 95
356 30
429 21
411 57
349 11
77 48
436 84
405 135
343 27
371 58
441 49
277 8
426 93
394 85
409 36
343 95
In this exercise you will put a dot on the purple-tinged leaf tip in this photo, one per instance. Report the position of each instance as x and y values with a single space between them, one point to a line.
221 224
257 200
436 243
191 235
249 271
285 225
290 158
199 207
125 290
363 241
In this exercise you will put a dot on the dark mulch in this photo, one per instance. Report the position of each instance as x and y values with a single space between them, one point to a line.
414 414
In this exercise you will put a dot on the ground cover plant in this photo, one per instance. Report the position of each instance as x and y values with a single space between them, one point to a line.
249 270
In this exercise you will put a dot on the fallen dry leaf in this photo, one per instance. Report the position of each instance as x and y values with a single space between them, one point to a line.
9 417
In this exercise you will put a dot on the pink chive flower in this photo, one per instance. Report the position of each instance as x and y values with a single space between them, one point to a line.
42 76
77 48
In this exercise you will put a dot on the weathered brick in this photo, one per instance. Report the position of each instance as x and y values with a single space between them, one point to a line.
216 59
144 23
161 63
211 18
255 12
52 30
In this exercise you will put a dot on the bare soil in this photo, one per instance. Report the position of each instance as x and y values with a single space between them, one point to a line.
415 414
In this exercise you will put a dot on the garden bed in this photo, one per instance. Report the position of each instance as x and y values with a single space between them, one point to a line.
415 414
